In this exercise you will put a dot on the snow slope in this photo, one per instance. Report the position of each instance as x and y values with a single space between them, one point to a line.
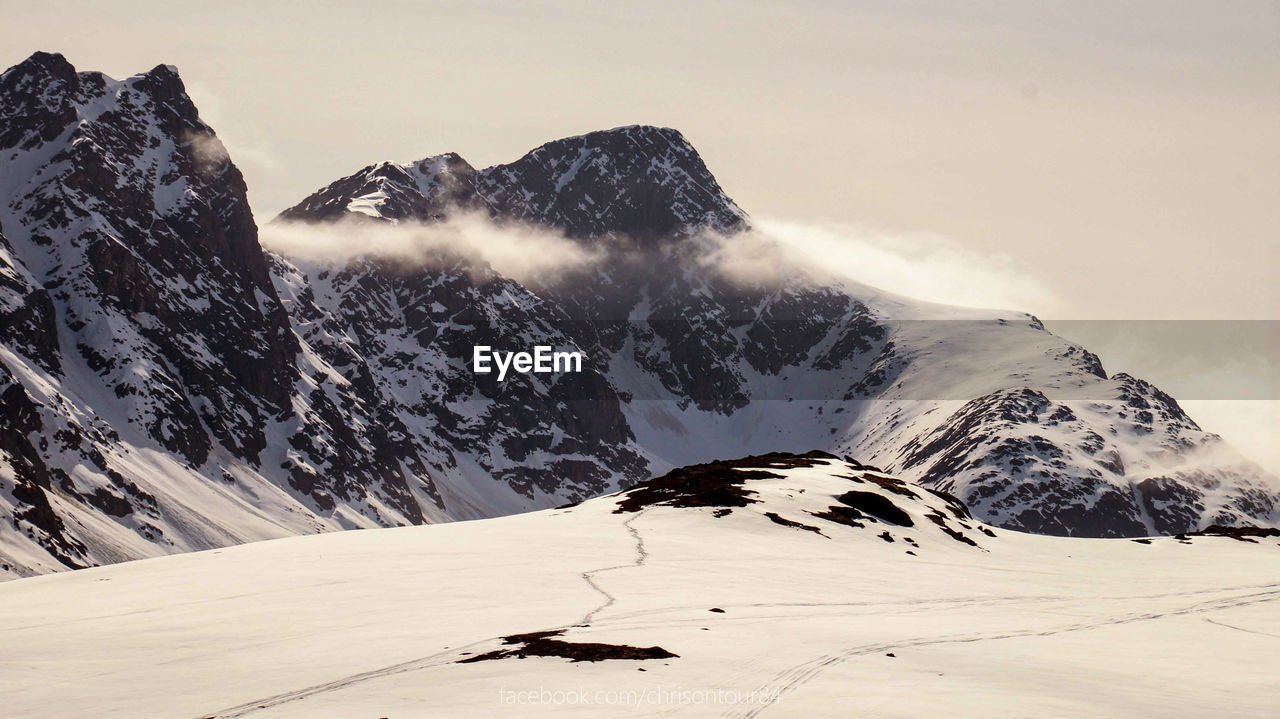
832 622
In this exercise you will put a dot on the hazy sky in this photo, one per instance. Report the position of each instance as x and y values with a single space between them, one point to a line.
1122 158
1126 154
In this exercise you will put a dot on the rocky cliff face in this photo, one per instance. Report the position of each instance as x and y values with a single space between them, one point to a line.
644 184
166 385
425 190
152 379
402 340
132 216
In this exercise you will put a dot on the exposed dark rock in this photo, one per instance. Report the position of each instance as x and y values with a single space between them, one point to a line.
540 644
875 506
638 183
777 519
715 484
1244 534
940 520
840 514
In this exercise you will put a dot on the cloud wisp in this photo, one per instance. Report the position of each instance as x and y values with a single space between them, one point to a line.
523 253
924 267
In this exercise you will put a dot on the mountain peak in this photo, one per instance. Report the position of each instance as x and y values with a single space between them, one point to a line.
644 137
35 99
425 190
447 162
642 182
44 63
163 76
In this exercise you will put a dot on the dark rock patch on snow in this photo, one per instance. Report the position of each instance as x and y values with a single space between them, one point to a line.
841 514
715 484
1244 534
776 519
875 506
940 520
541 644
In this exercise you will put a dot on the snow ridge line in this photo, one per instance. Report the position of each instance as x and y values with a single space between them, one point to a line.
800 674
588 576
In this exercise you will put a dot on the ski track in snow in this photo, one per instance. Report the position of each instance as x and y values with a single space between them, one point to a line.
641 556
444 657
790 679
796 676
1242 629
439 658
913 604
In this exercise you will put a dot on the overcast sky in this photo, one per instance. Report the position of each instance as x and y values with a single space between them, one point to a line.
1121 157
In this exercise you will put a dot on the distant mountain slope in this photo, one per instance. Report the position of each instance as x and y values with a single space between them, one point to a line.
1027 428
779 585
167 385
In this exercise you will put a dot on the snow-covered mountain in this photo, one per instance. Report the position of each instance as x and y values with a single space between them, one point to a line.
1027 428
168 386
773 586
156 396
646 184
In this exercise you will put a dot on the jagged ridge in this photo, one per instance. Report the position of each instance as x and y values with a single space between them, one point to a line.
638 182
